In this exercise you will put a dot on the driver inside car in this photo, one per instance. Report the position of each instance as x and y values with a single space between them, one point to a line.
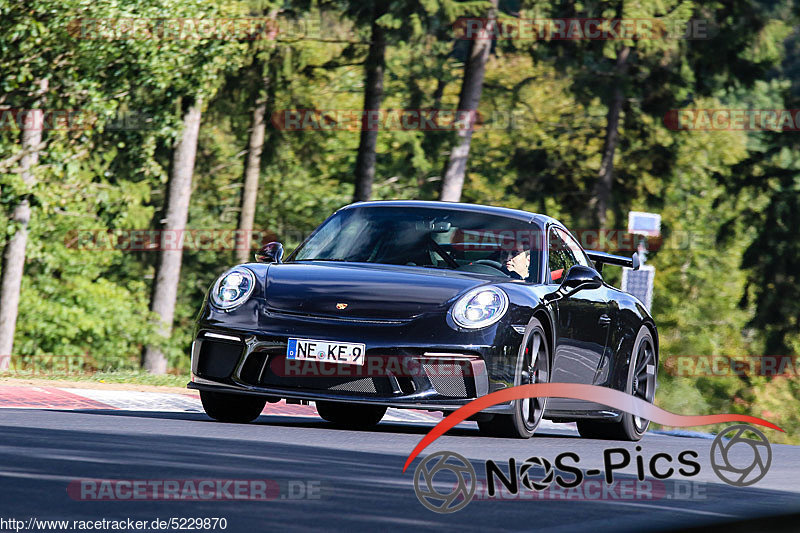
517 263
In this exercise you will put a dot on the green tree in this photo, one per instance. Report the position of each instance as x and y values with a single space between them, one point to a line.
471 88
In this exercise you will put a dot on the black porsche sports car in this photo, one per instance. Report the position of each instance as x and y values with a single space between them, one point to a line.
426 305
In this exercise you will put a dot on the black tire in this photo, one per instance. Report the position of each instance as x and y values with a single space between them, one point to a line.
348 415
236 408
643 366
533 366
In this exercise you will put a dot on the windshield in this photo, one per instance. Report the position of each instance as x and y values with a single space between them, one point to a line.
438 238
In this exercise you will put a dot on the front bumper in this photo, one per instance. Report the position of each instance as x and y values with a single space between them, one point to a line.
440 378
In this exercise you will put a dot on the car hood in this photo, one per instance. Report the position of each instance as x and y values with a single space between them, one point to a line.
362 290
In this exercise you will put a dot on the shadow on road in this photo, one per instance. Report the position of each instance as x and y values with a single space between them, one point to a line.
410 428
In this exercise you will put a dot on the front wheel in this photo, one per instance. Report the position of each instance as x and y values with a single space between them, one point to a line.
237 408
351 415
533 366
641 383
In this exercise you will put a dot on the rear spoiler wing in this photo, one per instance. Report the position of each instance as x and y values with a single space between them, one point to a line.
602 258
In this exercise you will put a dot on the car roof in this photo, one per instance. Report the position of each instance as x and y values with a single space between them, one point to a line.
517 214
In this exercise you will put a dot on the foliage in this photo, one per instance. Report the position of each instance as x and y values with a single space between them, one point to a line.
726 279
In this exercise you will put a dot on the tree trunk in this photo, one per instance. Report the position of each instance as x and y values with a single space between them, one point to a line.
373 96
601 195
14 253
468 100
251 174
165 286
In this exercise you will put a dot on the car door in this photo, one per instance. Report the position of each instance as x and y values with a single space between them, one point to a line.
583 318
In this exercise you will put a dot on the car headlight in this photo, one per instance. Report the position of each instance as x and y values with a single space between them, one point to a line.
233 288
480 307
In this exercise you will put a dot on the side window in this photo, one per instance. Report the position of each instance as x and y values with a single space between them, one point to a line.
575 248
563 253
560 257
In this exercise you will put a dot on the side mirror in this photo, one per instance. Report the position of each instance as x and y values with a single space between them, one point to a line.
582 277
636 261
270 253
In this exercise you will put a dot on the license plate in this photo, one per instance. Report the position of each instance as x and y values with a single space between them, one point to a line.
346 353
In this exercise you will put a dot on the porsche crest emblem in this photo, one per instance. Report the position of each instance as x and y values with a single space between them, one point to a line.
341 306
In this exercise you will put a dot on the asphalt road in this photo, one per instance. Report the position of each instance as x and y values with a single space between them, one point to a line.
355 478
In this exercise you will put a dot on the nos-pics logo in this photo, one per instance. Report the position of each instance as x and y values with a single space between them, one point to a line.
741 455
445 482
447 465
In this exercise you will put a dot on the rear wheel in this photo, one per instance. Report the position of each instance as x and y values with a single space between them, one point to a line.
351 415
641 383
237 408
533 366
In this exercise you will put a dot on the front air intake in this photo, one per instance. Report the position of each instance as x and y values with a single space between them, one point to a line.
217 360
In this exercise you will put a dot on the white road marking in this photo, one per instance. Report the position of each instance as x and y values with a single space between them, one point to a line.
668 508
